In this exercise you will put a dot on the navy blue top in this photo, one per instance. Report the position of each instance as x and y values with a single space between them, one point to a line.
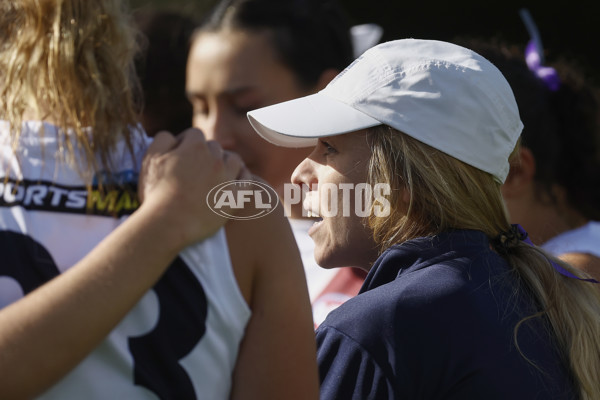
435 319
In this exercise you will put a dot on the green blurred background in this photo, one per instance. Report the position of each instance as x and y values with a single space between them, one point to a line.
568 29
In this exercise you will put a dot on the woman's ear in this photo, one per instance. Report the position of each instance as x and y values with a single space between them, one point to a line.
521 174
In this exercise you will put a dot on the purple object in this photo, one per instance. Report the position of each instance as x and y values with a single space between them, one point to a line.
534 54
534 61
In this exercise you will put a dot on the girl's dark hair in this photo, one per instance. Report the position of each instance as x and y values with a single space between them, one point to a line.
562 127
161 65
309 36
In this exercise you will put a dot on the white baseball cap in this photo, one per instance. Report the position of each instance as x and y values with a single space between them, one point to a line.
441 94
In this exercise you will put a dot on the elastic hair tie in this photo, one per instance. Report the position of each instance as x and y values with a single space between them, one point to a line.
534 54
524 237
507 240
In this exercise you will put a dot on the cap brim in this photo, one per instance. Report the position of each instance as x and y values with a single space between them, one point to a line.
299 122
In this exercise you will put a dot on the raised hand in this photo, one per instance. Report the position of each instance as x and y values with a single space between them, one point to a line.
177 174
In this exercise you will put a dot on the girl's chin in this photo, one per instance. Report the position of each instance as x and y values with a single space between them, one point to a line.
326 258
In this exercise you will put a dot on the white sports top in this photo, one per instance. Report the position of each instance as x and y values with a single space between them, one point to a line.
180 341
585 239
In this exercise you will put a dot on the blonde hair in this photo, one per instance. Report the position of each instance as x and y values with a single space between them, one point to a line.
446 193
69 62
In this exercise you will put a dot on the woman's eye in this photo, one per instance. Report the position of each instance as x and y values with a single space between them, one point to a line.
199 111
199 108
243 107
328 148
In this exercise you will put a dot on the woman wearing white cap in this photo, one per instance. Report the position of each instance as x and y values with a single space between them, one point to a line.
457 304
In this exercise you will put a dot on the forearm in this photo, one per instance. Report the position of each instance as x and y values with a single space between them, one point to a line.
49 331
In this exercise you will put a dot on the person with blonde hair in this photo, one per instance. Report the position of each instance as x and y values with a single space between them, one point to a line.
101 297
458 303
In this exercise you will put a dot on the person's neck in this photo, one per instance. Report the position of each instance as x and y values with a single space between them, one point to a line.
545 220
562 219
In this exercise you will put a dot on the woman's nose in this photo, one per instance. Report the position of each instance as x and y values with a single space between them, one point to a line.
305 173
218 127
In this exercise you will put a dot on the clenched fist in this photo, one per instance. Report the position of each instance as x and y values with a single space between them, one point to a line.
177 174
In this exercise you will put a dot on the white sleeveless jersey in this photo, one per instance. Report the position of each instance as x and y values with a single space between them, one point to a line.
180 341
585 239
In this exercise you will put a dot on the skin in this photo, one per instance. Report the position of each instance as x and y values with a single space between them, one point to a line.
339 240
540 217
230 73
77 309
280 332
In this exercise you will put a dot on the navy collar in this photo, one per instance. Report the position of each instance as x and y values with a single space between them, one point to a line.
423 252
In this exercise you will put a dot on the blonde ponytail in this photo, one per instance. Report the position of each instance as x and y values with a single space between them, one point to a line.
447 194
572 308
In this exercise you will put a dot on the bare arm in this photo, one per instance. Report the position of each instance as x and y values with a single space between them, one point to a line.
277 358
76 310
